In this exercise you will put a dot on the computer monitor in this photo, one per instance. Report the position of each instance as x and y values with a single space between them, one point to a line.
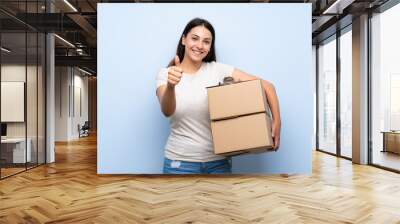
3 129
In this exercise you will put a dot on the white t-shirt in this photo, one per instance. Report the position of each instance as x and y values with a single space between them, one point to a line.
190 138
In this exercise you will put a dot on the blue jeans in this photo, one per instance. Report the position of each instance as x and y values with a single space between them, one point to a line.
183 167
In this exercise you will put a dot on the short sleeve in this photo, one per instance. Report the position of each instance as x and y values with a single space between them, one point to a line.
224 70
162 77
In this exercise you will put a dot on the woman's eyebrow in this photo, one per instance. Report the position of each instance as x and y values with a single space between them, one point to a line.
195 35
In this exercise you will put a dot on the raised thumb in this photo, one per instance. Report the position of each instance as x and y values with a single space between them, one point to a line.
177 61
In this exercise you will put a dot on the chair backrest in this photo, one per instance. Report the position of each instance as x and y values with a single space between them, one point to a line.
86 125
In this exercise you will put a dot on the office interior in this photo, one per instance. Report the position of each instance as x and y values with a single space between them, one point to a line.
49 92
48 81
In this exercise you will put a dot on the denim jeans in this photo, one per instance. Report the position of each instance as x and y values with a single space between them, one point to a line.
183 167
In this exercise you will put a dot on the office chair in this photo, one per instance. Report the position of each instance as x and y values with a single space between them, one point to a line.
84 130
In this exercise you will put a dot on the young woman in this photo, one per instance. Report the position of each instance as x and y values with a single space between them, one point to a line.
182 93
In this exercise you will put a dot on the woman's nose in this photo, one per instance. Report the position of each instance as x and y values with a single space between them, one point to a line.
199 45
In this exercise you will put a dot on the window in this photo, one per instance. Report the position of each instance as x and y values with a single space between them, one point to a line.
346 93
385 87
327 96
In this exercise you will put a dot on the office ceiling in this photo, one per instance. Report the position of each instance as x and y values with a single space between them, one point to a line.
76 22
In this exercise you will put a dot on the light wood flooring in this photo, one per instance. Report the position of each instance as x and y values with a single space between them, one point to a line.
70 191
5 172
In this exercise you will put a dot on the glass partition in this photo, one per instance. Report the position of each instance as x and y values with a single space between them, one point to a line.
327 96
22 77
385 87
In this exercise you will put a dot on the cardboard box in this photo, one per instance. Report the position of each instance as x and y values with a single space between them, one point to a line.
240 118
244 134
236 99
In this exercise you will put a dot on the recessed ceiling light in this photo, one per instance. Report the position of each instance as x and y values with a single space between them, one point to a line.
70 5
65 41
84 71
338 6
5 50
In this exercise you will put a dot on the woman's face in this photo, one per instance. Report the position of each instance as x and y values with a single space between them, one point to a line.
197 43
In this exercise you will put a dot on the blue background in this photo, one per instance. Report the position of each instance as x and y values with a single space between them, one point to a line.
272 41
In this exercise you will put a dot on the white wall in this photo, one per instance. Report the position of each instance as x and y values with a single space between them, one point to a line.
33 127
62 81
80 84
70 83
16 73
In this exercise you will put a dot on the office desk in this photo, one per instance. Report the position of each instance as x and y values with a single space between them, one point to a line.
15 148
391 141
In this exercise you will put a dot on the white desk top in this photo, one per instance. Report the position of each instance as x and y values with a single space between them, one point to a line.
13 140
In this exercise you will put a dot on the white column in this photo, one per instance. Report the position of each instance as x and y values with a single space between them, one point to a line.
50 110
50 92
360 90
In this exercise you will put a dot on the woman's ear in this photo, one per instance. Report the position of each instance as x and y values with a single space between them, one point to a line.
183 40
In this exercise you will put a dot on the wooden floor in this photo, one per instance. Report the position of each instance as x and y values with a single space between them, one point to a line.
5 172
70 191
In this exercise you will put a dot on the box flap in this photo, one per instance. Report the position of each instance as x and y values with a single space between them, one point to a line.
238 99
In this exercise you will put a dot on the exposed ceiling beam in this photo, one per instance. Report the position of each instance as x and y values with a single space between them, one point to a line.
84 61
320 22
332 29
338 6
91 5
83 23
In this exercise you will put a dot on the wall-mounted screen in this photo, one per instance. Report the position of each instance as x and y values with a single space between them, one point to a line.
12 101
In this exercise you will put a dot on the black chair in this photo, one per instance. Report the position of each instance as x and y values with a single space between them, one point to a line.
84 130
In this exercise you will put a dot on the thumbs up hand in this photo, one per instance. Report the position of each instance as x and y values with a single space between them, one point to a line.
174 73
177 61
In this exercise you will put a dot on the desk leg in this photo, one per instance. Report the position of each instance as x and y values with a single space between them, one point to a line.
384 142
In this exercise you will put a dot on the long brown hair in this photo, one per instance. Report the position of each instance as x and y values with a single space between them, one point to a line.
180 50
